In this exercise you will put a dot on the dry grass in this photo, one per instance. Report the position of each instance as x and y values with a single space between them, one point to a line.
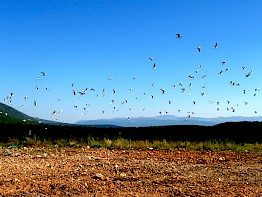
121 143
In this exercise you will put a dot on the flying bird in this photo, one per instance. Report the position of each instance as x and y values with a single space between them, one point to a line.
82 92
163 90
154 66
178 36
198 49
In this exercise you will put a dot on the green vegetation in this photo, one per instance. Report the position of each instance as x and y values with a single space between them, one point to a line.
19 130
8 113
121 143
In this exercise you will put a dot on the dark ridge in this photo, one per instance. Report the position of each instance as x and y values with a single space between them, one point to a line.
239 132
13 125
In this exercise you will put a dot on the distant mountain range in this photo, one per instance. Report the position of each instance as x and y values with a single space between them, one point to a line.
11 115
166 120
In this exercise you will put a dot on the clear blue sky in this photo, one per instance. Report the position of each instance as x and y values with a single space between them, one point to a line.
87 42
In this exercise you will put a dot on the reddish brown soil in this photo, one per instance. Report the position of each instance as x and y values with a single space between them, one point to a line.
104 172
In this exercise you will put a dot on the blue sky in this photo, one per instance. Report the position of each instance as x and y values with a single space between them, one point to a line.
88 42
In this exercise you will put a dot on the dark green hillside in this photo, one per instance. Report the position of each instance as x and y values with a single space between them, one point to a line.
11 115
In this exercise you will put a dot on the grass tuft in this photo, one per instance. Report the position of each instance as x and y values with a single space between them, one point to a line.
121 143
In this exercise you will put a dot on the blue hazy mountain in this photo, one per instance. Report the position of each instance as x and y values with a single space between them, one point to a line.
9 114
166 120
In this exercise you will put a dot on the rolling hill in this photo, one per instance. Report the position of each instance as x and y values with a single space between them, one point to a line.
11 112
10 115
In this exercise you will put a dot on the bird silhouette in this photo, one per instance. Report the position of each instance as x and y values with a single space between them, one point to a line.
198 49
179 36
154 66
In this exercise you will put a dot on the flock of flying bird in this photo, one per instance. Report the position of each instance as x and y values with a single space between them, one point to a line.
116 106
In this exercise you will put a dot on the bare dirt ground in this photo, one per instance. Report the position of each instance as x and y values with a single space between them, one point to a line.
108 172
